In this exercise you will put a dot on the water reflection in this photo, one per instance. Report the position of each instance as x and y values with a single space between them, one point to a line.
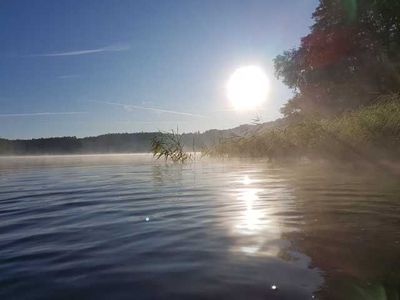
256 227
164 174
151 230
252 219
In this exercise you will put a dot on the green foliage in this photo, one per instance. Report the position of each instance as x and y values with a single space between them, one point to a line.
351 55
372 130
169 146
376 125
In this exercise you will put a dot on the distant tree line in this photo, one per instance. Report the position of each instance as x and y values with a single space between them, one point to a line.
351 56
109 143
120 142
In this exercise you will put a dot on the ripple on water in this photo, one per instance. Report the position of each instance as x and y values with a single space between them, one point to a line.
125 226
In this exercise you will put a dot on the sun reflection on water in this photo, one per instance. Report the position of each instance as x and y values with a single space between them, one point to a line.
252 219
256 228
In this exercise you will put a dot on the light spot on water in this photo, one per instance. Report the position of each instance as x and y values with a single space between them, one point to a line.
274 287
147 219
246 180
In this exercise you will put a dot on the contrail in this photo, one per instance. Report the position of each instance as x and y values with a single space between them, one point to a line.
42 114
130 107
112 48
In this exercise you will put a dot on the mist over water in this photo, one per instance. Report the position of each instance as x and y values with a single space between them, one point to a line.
129 227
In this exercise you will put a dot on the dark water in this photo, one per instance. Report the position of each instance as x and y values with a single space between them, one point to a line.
125 227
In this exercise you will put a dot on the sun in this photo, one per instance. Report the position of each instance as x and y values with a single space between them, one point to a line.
248 88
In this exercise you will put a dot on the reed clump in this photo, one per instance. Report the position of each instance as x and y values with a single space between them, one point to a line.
168 145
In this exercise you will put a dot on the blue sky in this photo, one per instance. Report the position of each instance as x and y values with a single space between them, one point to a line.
88 67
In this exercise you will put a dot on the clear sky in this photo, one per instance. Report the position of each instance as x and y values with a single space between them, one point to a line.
88 67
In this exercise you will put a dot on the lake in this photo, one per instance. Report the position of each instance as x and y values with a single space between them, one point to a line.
129 227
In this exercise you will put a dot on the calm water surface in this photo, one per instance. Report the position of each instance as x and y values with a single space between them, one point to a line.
126 227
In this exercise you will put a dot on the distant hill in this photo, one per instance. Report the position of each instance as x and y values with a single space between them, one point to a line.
120 142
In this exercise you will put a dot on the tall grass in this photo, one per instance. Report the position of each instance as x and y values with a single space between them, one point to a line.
170 147
371 131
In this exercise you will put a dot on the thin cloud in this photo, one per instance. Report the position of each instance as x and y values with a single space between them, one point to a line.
38 114
149 122
111 48
235 110
129 107
68 76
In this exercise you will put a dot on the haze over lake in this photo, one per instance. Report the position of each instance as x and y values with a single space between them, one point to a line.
129 227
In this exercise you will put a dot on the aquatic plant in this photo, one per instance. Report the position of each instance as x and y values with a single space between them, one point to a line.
168 145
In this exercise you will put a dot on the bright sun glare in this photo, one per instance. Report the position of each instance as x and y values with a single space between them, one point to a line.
248 88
